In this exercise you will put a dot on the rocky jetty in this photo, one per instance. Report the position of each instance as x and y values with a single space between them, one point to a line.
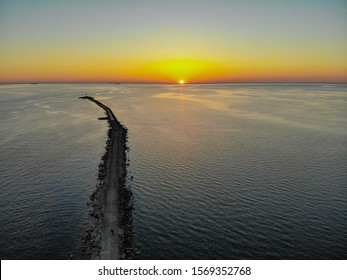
110 235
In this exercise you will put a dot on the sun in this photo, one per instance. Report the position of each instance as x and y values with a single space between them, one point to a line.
181 82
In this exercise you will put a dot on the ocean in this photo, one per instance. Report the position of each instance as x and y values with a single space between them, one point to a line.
218 171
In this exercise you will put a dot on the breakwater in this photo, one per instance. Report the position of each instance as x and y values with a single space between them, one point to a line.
111 234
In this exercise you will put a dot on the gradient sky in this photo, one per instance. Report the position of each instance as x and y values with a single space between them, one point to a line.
165 41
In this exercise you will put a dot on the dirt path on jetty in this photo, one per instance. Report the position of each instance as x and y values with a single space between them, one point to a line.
110 229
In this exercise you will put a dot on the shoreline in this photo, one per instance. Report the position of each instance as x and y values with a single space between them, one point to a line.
110 236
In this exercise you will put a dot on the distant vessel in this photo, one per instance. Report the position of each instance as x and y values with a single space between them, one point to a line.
33 83
117 83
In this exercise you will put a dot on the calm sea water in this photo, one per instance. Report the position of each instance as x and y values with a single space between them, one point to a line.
227 171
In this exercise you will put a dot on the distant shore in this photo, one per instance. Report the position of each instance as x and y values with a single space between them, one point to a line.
110 236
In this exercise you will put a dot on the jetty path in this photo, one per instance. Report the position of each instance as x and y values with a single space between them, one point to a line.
110 233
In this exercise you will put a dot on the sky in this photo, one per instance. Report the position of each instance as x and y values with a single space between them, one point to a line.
163 41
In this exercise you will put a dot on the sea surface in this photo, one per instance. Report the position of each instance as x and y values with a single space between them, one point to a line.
220 171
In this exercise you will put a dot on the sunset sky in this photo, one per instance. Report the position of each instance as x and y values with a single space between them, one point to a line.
169 41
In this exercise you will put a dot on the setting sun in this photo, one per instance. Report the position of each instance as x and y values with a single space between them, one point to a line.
181 82
93 42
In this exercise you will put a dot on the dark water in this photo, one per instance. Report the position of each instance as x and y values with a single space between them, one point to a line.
51 146
240 171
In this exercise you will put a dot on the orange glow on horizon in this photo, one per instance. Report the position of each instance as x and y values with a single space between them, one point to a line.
108 69
172 70
100 44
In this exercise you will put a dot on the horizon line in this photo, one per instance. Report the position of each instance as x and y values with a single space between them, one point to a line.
173 83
